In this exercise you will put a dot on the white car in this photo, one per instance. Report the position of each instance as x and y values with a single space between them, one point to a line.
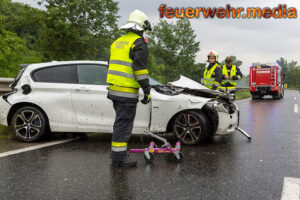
71 96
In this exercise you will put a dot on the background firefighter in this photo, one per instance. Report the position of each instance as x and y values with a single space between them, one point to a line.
127 72
213 74
230 74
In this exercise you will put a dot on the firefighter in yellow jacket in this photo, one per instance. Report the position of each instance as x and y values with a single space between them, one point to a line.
230 74
213 74
127 72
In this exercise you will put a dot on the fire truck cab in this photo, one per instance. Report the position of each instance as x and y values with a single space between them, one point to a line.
266 79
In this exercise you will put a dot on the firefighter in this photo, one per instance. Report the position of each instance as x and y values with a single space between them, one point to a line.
231 74
213 74
127 72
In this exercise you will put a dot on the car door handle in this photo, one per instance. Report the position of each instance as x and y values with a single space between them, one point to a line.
82 89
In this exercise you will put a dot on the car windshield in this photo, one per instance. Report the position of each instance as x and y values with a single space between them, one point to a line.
153 82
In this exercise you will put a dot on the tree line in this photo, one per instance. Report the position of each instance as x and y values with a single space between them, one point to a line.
291 72
84 30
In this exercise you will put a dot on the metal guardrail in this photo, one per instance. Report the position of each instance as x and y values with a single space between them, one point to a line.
242 88
4 83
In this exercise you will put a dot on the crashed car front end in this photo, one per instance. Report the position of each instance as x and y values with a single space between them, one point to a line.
227 116
222 112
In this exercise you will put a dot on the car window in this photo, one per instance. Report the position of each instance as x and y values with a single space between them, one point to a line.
152 81
57 74
92 74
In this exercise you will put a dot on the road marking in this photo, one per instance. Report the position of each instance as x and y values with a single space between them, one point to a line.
291 189
8 153
295 108
295 98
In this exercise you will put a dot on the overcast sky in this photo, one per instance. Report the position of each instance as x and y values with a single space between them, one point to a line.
251 40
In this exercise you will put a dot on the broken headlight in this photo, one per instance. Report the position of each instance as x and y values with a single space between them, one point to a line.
222 107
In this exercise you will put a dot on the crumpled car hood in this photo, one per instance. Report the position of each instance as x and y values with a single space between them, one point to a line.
185 82
190 84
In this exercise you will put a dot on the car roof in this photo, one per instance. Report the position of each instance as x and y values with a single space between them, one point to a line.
55 63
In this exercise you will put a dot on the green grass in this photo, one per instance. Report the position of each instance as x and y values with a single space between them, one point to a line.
242 94
5 132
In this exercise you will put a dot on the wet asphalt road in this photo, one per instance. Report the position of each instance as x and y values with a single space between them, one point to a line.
228 167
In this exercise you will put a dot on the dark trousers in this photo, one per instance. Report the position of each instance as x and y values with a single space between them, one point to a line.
125 114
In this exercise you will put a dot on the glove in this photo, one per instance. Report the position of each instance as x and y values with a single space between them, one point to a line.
235 78
147 98
215 86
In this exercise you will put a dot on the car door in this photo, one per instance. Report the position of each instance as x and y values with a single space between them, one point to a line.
94 111
52 88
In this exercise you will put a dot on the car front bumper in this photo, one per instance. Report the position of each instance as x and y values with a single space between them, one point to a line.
227 123
227 115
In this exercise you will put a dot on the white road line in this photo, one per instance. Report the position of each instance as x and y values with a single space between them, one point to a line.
8 153
291 189
295 98
295 108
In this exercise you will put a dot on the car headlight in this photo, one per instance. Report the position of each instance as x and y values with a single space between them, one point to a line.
220 107
213 103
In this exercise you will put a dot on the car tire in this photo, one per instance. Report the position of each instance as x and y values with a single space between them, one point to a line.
191 127
29 124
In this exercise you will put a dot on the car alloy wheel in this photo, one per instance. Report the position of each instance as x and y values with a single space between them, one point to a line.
28 124
191 127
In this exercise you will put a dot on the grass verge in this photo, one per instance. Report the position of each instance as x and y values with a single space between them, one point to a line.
242 94
5 132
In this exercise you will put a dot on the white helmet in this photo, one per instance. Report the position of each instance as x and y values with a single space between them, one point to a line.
213 53
137 21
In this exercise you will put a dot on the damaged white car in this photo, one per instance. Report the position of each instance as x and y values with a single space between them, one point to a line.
71 96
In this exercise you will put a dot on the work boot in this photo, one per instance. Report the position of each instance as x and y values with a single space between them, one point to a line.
126 162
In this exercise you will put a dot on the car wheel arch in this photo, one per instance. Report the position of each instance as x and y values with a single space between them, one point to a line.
170 123
17 106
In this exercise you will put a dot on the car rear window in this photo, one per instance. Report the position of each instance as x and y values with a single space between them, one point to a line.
92 74
57 74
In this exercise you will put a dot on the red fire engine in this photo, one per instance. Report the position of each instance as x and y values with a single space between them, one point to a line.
266 79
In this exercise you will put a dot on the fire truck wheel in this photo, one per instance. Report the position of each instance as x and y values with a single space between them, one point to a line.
282 95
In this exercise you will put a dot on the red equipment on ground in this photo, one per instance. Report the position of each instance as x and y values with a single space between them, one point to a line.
266 79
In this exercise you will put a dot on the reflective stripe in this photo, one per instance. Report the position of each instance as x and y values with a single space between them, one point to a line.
209 79
123 89
118 149
118 144
120 74
141 77
141 72
120 62
122 94
232 73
